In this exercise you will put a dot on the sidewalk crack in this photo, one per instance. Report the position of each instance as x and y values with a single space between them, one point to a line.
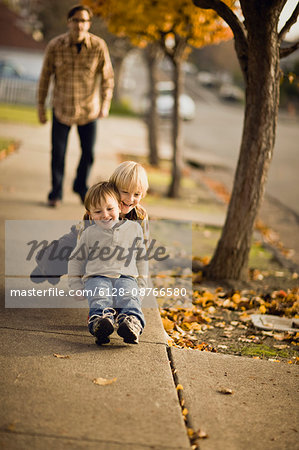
185 412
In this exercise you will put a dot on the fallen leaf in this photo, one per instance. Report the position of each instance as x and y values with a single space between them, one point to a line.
228 304
219 325
103 381
282 293
167 324
180 330
225 391
236 298
10 427
179 387
194 435
61 356
244 339
201 434
263 309
196 326
190 432
279 336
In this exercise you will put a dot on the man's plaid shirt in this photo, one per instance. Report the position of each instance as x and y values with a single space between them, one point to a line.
77 78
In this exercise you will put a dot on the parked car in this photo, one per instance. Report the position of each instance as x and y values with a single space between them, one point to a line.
207 79
165 102
231 93
9 69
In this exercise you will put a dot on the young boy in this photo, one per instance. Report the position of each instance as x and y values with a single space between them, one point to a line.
107 266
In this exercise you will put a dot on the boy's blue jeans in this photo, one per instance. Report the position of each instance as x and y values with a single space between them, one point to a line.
117 293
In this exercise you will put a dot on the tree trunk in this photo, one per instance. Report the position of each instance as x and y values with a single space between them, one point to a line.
177 157
151 57
117 67
230 260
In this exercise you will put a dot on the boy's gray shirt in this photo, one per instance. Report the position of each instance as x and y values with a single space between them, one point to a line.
87 259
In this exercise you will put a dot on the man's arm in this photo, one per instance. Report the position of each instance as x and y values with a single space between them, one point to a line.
107 82
44 82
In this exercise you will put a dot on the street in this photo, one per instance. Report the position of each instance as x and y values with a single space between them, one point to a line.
217 130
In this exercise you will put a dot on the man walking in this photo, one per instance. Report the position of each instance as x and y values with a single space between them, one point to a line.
80 64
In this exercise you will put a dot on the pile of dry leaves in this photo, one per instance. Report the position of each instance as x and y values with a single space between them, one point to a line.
219 322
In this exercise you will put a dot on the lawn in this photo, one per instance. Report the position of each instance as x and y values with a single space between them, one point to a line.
18 113
28 114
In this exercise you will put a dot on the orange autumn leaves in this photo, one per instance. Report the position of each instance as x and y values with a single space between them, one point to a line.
186 327
277 302
149 21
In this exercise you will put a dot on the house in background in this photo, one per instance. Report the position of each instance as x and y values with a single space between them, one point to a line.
21 59
18 46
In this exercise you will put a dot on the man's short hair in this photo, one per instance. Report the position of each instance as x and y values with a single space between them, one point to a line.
77 8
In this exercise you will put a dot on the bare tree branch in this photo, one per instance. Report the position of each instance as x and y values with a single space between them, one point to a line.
289 23
283 52
234 23
227 15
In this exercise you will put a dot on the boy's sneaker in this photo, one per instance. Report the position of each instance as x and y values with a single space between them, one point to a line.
129 328
103 326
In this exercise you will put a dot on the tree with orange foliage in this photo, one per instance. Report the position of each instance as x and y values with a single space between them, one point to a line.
175 26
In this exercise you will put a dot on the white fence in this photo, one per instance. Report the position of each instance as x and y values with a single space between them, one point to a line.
18 91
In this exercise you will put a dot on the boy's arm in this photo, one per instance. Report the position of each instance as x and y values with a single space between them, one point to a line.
53 260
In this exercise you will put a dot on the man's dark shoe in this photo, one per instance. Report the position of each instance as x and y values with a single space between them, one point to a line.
54 203
103 326
129 328
80 193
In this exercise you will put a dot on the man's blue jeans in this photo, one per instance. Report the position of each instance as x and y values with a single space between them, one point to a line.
60 132
117 293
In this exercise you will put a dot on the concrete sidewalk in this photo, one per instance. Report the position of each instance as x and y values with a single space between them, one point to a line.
50 402
53 403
